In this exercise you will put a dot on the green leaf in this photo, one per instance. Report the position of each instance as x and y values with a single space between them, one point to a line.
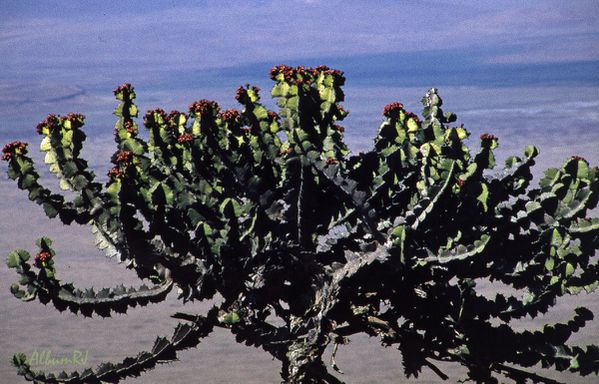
19 293
79 182
511 161
44 243
27 181
260 112
293 102
23 254
161 194
230 208
114 188
50 158
49 272
569 269
13 260
585 226
50 210
134 146
412 125
69 169
35 193
462 133
13 173
583 170
549 263
19 359
230 318
45 145
280 89
551 177
399 237
328 95
470 171
556 238
67 139
169 195
531 151
483 197
532 207
64 184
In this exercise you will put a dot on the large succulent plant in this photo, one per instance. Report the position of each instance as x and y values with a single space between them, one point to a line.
306 244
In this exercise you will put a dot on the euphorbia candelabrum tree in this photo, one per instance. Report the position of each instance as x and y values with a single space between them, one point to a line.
305 245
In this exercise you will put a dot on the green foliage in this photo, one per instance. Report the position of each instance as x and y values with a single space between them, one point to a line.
273 213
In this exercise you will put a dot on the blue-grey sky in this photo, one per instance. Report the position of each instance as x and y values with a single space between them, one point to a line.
62 39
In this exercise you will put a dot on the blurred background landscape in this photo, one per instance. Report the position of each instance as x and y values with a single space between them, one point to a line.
527 72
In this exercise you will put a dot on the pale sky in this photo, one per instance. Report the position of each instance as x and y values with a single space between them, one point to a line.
61 39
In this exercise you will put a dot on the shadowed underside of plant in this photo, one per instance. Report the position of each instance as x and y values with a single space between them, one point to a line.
308 244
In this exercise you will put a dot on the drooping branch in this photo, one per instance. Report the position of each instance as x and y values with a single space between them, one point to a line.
47 288
185 336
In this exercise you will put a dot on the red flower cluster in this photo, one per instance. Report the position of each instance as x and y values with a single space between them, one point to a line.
51 122
42 257
124 157
204 107
286 70
129 126
332 161
115 173
16 147
125 88
579 158
392 110
230 116
173 117
273 116
460 182
241 93
184 138
328 71
342 111
160 112
76 119
413 116
339 128
287 151
488 137
149 117
302 75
